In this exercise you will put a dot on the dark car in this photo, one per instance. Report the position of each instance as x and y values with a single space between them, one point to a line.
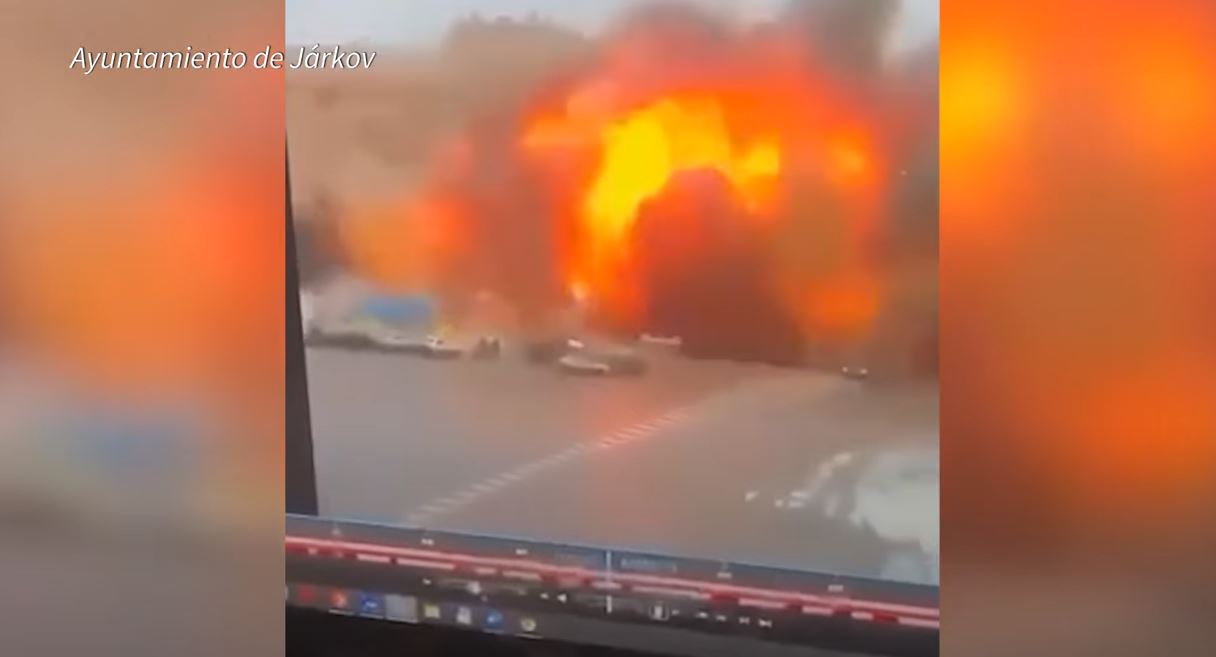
546 352
348 335
486 349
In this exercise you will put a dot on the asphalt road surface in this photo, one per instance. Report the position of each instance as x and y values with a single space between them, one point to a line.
717 460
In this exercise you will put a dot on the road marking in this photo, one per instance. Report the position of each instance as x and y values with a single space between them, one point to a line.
617 439
495 483
636 431
464 497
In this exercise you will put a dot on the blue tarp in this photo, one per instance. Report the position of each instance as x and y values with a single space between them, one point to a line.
400 309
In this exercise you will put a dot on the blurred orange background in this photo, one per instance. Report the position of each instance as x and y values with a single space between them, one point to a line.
1078 321
141 302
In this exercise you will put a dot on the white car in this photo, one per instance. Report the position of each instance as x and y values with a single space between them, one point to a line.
432 346
437 347
578 364
398 341
662 340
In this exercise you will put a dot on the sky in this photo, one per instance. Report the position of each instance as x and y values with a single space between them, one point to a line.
424 22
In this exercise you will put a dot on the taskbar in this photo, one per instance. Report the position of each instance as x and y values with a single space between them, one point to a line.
575 593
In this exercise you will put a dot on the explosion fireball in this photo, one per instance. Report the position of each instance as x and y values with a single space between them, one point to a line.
663 186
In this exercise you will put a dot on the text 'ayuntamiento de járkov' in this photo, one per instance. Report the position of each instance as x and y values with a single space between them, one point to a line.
303 57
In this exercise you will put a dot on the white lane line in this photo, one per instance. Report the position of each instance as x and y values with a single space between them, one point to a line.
495 483
622 438
701 410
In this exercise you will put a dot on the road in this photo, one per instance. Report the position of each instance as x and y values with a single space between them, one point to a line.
717 460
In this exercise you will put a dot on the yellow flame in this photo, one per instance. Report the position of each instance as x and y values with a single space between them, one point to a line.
643 150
